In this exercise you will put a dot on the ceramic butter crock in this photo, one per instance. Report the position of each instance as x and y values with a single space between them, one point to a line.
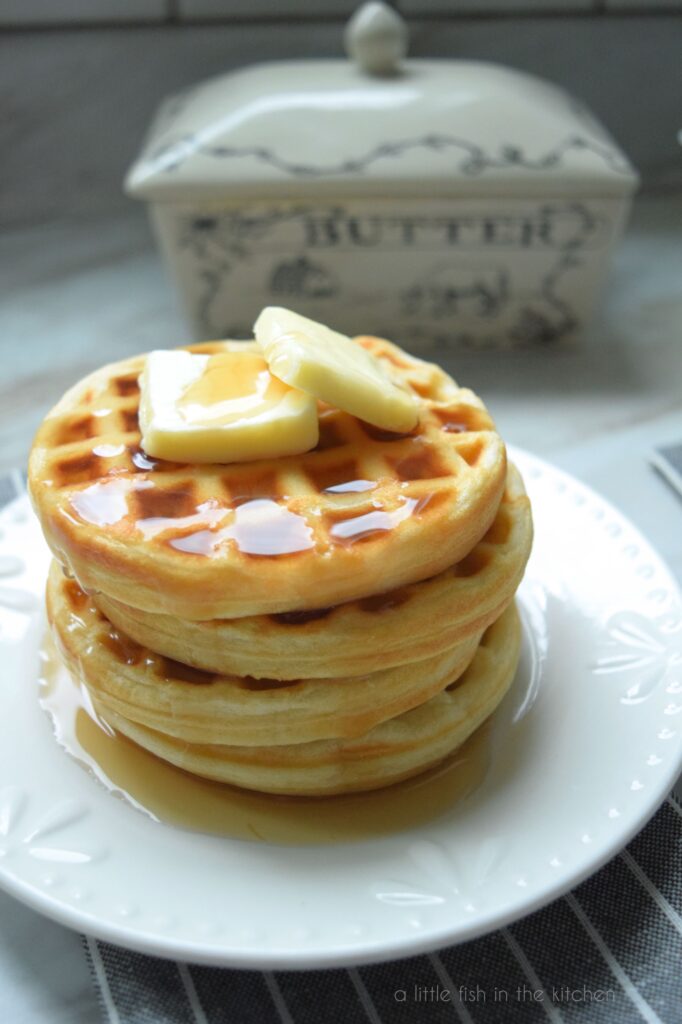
446 203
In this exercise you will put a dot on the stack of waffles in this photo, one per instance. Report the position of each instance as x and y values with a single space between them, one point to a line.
316 624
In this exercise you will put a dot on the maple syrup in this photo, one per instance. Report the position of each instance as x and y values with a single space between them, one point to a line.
122 647
201 542
108 451
263 527
352 529
142 461
104 503
378 603
463 419
233 386
174 797
351 487
302 617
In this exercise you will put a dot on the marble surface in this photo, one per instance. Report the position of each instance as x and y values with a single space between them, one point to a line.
44 977
77 295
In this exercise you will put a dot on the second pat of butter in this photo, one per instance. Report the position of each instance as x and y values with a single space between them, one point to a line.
330 366
221 408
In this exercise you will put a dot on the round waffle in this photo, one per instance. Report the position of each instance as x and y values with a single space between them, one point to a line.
365 511
405 625
394 750
197 707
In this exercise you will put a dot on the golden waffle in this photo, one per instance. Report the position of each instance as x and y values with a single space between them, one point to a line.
405 625
364 512
392 751
197 707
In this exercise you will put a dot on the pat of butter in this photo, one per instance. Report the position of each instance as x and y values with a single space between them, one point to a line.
226 407
333 368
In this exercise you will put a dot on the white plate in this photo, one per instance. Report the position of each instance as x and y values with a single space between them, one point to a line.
591 744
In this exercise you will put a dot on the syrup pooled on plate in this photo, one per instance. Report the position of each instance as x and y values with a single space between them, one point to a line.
174 797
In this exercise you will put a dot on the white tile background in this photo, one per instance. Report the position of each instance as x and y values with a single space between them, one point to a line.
77 98
452 8
56 12
235 9
643 5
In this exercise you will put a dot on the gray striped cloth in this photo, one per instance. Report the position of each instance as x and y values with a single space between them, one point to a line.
610 952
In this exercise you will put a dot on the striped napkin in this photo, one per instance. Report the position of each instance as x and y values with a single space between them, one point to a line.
610 952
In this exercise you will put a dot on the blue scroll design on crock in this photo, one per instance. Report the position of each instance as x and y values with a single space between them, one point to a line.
473 160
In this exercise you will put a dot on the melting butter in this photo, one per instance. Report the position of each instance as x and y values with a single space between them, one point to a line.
331 367
226 407
231 386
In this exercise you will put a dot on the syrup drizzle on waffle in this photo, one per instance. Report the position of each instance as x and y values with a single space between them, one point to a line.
333 496
126 651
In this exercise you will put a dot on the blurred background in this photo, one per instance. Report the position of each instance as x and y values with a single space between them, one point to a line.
82 78
82 282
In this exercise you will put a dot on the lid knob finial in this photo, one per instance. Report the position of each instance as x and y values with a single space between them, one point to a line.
376 38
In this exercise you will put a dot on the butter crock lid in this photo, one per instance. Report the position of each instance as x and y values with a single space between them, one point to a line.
376 125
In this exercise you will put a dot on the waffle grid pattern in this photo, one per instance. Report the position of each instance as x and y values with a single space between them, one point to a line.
94 487
401 626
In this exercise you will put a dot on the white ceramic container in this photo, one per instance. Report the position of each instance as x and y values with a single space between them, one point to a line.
439 203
